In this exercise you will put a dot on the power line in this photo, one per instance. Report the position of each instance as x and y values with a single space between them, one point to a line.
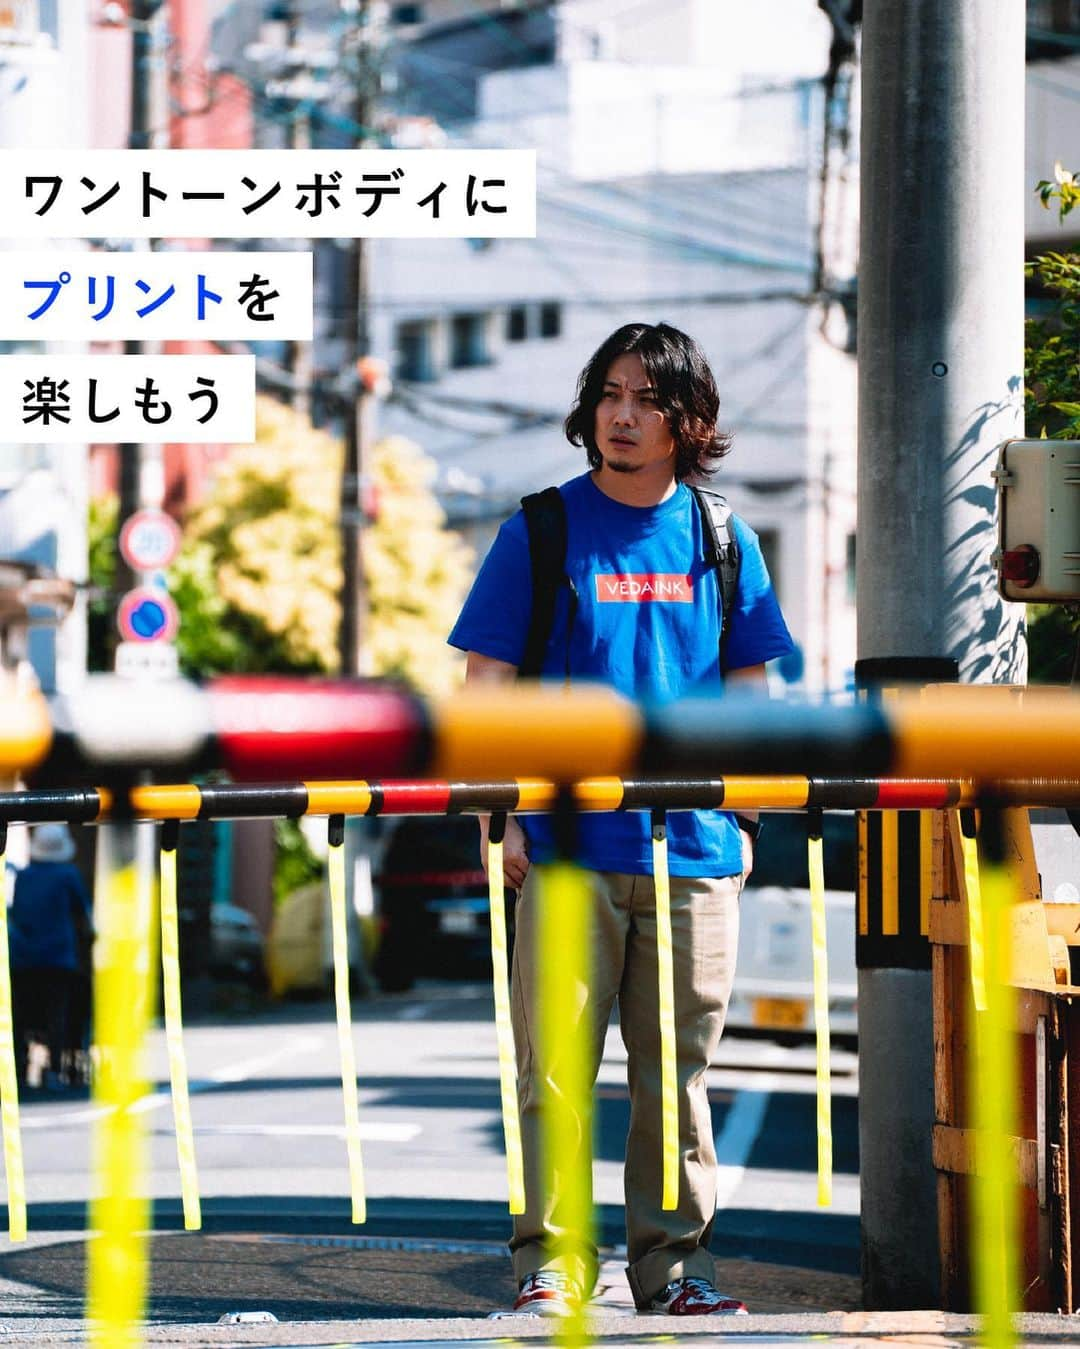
334 121
693 248
672 208
422 305
270 111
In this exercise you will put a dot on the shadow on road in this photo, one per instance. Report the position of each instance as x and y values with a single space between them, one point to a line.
811 1241
198 1277
439 999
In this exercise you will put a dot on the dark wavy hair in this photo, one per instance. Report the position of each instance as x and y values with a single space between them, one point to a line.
685 390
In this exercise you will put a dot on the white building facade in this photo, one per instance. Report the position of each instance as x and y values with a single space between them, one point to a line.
679 169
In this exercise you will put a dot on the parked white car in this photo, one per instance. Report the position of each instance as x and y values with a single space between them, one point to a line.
774 989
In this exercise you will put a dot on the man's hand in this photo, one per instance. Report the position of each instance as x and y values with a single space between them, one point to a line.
750 679
515 856
487 670
747 852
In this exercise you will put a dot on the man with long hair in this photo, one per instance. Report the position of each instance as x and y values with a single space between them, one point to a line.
641 611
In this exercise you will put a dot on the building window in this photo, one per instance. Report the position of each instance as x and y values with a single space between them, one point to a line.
407 14
468 341
550 319
415 351
517 323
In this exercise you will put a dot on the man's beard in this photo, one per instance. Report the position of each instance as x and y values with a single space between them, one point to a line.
622 466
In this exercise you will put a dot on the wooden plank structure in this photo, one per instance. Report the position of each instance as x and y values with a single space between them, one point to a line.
1043 937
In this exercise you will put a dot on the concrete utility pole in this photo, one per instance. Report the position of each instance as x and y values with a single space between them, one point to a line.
941 307
299 358
142 16
359 413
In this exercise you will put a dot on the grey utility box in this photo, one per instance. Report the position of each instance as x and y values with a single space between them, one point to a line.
1038 498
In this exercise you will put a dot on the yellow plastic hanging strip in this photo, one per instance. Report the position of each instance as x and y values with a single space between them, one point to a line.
9 1086
344 1016
118 1268
174 1029
669 1083
994 1093
976 927
504 1033
818 931
565 1046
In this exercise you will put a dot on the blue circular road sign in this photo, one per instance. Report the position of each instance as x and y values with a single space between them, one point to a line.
147 614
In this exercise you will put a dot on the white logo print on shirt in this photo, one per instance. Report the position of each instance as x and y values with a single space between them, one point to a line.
644 587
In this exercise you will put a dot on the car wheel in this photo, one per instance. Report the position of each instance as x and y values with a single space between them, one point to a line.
395 967
395 978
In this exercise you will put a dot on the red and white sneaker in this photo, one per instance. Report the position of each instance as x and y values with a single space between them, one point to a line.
694 1297
548 1292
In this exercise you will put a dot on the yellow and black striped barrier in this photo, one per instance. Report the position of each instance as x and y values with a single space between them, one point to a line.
896 880
259 728
190 801
323 734
884 910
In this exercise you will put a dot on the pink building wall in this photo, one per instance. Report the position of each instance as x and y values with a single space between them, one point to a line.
110 84
209 112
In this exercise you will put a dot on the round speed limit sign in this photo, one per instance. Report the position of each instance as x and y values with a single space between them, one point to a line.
149 540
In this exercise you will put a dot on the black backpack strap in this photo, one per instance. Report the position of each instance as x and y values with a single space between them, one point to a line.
722 553
545 521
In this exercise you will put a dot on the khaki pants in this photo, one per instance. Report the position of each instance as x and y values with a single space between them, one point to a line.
661 1246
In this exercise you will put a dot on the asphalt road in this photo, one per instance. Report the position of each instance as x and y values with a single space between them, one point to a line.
274 1180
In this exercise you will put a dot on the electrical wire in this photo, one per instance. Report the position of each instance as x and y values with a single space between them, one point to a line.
695 249
270 111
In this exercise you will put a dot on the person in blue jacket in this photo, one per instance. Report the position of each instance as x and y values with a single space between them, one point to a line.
647 621
48 926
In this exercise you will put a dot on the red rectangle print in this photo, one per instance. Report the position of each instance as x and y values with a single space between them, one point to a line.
644 588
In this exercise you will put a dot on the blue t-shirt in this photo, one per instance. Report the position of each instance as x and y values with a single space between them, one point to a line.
648 624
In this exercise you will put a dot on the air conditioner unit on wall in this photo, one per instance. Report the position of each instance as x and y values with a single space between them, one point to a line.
1038 498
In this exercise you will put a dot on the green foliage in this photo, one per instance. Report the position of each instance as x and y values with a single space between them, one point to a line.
1052 351
417 572
1052 635
1051 361
257 579
295 865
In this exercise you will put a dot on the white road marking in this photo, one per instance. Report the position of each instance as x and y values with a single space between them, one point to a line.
370 1130
735 1141
247 1068
157 1100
